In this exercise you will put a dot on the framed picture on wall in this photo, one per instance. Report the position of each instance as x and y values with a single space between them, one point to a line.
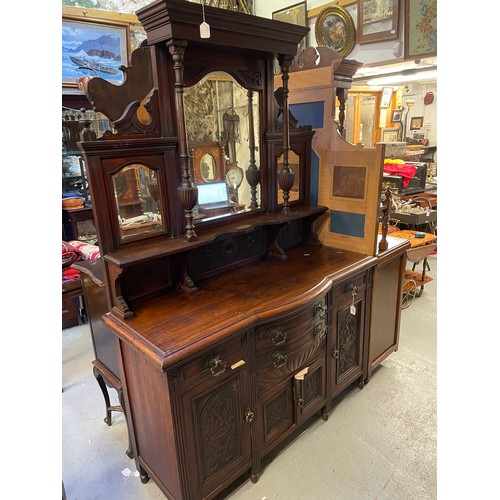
416 122
335 29
390 135
397 115
385 101
377 20
294 14
420 28
93 49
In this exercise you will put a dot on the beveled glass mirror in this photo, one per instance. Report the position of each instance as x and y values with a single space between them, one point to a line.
221 112
137 200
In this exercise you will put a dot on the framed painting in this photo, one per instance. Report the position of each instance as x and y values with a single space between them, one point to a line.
416 122
385 101
420 29
390 134
377 20
335 29
294 14
93 49
397 115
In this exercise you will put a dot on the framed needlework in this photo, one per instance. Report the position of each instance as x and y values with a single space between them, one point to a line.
420 29
378 20
335 29
294 14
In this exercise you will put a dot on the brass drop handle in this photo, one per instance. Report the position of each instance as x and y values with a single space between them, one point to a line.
249 415
277 335
279 358
216 364
335 354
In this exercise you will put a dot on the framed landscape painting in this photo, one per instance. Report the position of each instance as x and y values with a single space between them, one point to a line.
93 49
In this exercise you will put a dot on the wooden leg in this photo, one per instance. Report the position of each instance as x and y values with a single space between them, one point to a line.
129 452
105 393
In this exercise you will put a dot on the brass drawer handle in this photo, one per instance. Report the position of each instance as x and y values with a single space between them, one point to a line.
335 354
249 415
278 358
216 364
277 335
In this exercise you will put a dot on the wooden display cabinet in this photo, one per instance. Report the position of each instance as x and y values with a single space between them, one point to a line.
231 333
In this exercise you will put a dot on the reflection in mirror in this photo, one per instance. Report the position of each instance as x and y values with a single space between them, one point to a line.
137 200
208 167
294 164
218 112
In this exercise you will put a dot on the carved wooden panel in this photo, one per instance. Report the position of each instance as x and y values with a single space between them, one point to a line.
215 429
225 252
278 413
348 334
219 431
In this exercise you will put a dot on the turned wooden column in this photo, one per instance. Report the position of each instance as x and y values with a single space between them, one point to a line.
286 177
342 95
187 191
386 212
253 173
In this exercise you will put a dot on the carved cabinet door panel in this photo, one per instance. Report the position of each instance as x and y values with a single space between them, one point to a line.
310 389
275 415
217 418
348 329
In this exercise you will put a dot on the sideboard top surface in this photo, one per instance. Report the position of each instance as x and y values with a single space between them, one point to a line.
170 328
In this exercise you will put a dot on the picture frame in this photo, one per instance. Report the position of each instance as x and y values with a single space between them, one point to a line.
385 100
93 48
397 116
378 20
335 29
416 122
390 134
420 38
294 14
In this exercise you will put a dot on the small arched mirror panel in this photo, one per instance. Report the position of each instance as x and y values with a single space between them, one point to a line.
137 200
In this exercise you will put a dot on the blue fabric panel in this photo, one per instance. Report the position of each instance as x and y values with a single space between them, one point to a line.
309 113
314 178
347 223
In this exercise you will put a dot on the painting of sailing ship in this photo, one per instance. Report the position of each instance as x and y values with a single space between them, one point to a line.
93 50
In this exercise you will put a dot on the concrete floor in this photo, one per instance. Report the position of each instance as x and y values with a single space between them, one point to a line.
379 442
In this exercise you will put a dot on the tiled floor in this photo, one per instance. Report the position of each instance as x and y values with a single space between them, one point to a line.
379 442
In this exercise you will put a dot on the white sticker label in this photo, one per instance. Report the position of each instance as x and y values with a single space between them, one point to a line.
353 310
204 30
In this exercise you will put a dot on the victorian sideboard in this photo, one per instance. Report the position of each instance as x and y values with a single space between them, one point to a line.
232 331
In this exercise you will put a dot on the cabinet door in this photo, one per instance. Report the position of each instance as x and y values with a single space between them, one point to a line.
348 328
310 389
217 418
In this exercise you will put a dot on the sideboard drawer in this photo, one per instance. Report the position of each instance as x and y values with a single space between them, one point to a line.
287 329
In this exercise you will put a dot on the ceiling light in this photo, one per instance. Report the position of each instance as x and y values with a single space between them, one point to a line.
403 78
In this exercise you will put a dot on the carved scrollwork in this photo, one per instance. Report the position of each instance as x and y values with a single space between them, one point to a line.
277 335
